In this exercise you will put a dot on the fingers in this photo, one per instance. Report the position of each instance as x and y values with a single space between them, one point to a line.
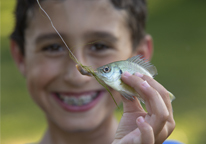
141 135
162 91
158 112
166 98
147 135
133 105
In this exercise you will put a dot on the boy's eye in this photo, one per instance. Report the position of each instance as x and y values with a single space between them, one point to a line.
98 47
53 48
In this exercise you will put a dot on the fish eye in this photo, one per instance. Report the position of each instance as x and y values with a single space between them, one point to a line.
106 69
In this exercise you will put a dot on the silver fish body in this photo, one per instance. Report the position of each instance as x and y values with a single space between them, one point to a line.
111 75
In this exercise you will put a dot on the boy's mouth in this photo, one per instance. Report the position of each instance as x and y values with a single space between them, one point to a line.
78 102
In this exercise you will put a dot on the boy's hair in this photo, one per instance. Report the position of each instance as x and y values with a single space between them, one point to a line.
136 19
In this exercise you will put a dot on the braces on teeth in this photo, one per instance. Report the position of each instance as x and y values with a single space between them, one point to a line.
77 101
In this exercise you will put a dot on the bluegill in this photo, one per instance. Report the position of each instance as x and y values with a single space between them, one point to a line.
111 75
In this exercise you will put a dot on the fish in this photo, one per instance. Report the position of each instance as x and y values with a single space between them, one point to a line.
111 73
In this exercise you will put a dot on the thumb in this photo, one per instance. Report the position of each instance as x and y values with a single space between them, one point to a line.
147 134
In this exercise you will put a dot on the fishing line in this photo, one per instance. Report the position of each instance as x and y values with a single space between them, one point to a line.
75 59
73 56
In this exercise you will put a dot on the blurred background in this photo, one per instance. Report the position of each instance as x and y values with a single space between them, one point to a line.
178 28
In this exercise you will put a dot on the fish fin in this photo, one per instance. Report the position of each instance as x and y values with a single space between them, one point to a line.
139 98
147 65
172 97
126 95
131 97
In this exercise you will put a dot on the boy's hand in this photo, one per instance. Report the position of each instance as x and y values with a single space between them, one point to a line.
128 135
157 123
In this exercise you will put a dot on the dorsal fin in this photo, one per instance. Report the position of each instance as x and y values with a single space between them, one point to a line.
147 65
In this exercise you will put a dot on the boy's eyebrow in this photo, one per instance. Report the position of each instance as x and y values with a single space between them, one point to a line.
101 35
97 35
49 36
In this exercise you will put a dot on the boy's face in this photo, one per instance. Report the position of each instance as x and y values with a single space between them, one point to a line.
73 101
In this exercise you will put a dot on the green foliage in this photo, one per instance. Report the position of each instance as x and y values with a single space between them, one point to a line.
179 32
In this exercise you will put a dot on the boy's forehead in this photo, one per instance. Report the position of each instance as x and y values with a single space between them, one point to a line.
76 13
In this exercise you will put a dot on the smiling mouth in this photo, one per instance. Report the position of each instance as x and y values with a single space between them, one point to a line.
81 100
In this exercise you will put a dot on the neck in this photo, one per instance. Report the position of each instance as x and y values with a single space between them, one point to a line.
104 133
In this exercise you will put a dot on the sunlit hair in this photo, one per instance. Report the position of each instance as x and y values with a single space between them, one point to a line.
136 19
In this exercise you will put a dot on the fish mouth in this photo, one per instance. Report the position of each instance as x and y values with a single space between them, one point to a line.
100 74
78 102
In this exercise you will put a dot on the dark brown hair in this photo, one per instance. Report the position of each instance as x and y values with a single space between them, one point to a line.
136 19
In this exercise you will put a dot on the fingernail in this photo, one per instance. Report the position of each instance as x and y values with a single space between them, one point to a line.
140 119
126 74
138 74
145 84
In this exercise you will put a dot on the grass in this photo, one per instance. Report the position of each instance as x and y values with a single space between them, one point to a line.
179 32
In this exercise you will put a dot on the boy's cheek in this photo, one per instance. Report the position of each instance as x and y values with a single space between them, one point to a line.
39 75
39 79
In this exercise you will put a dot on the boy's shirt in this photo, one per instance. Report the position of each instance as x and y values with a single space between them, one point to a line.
171 142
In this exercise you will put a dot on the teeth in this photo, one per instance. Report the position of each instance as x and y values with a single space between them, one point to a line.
69 100
86 99
78 101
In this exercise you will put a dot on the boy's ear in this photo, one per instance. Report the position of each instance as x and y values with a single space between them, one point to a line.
18 56
145 48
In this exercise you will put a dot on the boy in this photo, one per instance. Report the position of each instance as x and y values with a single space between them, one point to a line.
77 108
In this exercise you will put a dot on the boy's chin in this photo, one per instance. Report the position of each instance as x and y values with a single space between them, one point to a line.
79 129
78 125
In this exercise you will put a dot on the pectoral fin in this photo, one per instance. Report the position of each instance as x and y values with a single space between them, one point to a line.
131 97
126 95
